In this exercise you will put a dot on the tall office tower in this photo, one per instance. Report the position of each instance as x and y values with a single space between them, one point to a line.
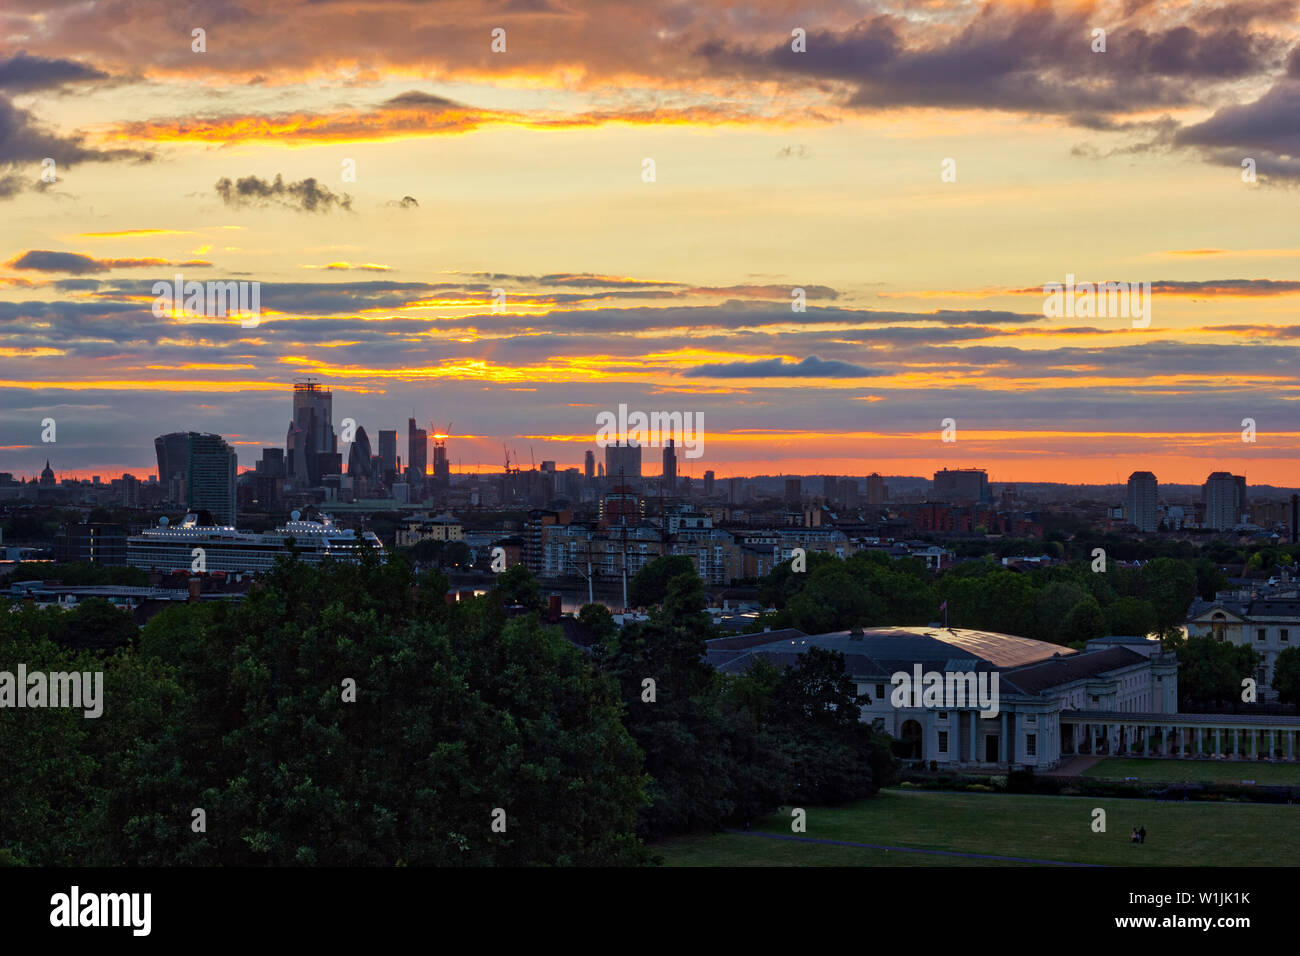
1224 497
849 492
311 445
271 463
601 469
876 491
359 456
441 465
388 455
1141 510
708 484
793 491
625 459
961 484
735 490
670 467
417 454
589 464
210 478
173 452
268 481
199 471
130 491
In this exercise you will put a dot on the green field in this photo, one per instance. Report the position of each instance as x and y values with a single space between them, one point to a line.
1035 827
1196 771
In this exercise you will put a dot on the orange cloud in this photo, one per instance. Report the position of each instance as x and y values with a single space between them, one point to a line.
414 115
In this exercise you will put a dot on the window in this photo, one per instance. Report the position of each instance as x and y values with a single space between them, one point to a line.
1286 635
943 741
1259 634
943 715
1031 745
880 692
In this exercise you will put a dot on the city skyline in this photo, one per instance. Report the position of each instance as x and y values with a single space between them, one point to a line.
913 180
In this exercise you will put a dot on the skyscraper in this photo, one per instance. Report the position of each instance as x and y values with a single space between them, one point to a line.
417 454
359 456
1141 509
173 452
387 455
876 490
961 484
441 465
670 467
311 445
589 464
199 470
625 459
1224 496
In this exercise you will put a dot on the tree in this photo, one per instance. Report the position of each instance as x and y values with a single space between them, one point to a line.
1052 607
649 586
816 691
1131 616
1169 585
337 716
1286 676
96 625
597 619
516 585
1084 622
456 554
1210 672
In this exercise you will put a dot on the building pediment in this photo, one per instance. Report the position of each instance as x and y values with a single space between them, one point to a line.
1220 613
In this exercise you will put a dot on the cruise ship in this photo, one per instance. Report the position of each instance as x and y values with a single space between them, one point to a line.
192 546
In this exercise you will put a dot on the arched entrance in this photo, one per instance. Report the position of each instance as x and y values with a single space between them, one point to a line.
909 741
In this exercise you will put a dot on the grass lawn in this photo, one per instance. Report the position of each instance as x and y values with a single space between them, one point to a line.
1198 771
1036 827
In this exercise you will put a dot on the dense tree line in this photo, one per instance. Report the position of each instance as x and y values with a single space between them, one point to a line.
1064 604
345 715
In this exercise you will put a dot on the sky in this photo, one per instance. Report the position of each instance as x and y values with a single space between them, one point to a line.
647 184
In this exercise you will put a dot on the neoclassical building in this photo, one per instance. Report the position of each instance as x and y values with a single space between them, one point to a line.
1118 696
1268 624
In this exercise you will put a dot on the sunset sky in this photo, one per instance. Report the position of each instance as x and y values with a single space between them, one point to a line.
773 170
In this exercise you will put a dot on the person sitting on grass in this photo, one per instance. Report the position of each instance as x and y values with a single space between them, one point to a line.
1135 835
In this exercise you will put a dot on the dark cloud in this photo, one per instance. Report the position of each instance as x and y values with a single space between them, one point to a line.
24 144
1267 130
414 99
42 260
1035 59
306 195
810 367
21 73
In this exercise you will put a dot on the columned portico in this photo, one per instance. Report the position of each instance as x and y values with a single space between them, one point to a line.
1185 736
